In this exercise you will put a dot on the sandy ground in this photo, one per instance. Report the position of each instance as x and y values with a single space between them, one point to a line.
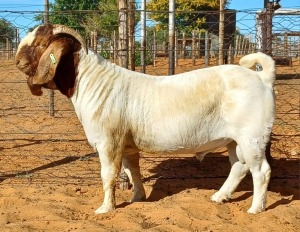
49 176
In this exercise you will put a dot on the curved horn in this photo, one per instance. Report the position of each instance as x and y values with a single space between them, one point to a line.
57 29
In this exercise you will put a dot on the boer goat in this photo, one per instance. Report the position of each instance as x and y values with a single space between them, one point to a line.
125 112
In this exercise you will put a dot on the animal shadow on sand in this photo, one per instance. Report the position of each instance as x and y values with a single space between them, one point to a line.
175 175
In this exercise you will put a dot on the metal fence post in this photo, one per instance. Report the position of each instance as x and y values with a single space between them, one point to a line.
143 37
123 32
51 92
171 37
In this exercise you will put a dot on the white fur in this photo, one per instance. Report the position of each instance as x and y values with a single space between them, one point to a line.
125 112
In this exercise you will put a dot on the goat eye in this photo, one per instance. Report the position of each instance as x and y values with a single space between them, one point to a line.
42 46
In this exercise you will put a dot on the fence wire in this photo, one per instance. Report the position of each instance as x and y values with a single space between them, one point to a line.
38 148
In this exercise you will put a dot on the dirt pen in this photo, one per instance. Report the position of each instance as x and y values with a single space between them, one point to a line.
50 176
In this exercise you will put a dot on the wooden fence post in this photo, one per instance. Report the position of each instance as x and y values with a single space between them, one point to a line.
199 45
237 45
231 54
221 32
183 46
7 48
165 48
285 44
206 49
131 23
115 45
176 48
95 41
193 48
299 50
154 48
92 39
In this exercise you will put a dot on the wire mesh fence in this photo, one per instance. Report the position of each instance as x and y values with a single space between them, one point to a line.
36 147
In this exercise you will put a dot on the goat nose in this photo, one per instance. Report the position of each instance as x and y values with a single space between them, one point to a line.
17 62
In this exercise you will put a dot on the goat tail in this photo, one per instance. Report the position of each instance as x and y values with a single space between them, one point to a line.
268 73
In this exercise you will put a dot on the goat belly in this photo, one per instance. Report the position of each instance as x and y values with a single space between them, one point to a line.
183 146
205 148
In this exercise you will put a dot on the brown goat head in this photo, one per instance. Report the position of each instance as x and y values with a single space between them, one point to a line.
49 57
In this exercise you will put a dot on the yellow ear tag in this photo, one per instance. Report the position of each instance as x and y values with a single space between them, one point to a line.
52 58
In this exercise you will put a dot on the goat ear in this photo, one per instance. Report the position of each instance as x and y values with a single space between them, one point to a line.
50 59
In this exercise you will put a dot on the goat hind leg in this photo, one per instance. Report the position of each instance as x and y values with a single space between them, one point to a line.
261 173
238 171
253 153
132 169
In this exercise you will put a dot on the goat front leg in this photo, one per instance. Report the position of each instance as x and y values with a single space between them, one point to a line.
110 168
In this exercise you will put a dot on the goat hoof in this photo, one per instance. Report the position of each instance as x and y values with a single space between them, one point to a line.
104 209
254 210
138 199
220 197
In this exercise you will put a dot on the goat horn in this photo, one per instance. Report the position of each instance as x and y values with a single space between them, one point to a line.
57 29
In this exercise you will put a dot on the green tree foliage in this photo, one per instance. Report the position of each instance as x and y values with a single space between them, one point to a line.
71 12
184 21
104 22
86 15
7 30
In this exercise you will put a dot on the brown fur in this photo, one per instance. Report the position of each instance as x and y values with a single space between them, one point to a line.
41 70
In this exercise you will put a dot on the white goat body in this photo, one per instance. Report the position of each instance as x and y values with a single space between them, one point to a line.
180 113
125 112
